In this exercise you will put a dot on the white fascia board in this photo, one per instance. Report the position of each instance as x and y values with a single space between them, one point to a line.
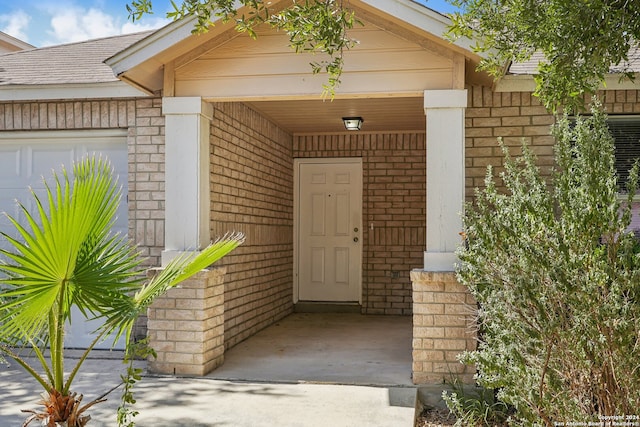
151 45
613 82
47 135
515 83
421 17
12 41
69 91
154 44
526 83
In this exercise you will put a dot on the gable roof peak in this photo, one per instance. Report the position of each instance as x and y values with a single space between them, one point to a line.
8 43
136 35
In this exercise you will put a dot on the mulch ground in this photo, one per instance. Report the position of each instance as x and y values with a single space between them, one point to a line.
434 417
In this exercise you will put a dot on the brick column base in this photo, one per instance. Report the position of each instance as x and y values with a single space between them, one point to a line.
186 325
443 327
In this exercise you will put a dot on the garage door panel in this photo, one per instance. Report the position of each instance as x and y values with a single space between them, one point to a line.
28 157
9 203
43 160
118 157
115 154
11 171
10 206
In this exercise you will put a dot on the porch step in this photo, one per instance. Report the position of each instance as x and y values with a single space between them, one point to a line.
326 307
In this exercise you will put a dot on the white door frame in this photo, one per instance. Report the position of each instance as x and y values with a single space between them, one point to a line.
296 216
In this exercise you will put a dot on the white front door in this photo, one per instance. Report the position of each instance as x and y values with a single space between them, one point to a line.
329 230
27 157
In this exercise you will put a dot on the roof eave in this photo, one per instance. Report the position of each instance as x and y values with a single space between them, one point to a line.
424 18
116 89
151 45
526 83
15 43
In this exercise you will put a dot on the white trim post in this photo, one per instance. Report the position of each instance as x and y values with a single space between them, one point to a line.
187 210
444 111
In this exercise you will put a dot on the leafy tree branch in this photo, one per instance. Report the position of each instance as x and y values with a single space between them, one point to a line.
580 40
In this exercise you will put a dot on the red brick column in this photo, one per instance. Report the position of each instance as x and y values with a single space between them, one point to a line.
443 326
186 326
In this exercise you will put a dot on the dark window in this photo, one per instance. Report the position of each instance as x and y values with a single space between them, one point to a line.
626 133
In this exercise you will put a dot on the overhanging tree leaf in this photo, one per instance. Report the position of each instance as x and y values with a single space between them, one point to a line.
581 41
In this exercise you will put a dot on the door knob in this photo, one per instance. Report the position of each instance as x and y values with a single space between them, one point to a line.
355 239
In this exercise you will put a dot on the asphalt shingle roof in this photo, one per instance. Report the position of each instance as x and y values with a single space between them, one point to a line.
81 62
530 67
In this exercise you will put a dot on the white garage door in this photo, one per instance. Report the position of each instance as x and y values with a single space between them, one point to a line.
27 157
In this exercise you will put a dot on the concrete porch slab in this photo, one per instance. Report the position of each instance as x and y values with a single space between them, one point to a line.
337 348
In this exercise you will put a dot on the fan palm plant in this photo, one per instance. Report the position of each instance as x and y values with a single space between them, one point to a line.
65 255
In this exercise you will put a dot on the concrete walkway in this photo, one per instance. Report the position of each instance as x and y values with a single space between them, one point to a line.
255 388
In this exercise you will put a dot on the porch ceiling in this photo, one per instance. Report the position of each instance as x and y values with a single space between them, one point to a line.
318 116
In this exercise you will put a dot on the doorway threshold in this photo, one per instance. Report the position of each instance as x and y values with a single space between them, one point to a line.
326 307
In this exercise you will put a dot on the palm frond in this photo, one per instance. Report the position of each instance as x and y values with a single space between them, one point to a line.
65 255
124 313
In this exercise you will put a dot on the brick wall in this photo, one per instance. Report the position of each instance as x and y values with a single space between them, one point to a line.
186 325
515 116
145 124
394 201
67 115
252 192
443 326
146 179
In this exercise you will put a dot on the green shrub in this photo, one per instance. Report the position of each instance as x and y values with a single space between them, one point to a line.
557 275
475 407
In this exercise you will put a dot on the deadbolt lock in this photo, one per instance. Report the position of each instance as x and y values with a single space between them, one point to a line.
355 229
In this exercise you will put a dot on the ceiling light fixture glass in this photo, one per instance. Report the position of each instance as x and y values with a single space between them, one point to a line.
353 123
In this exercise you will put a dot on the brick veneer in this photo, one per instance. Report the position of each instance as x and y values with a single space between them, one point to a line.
146 179
514 117
394 201
252 192
92 114
443 326
186 326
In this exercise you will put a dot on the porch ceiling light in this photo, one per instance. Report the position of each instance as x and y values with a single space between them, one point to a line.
353 123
